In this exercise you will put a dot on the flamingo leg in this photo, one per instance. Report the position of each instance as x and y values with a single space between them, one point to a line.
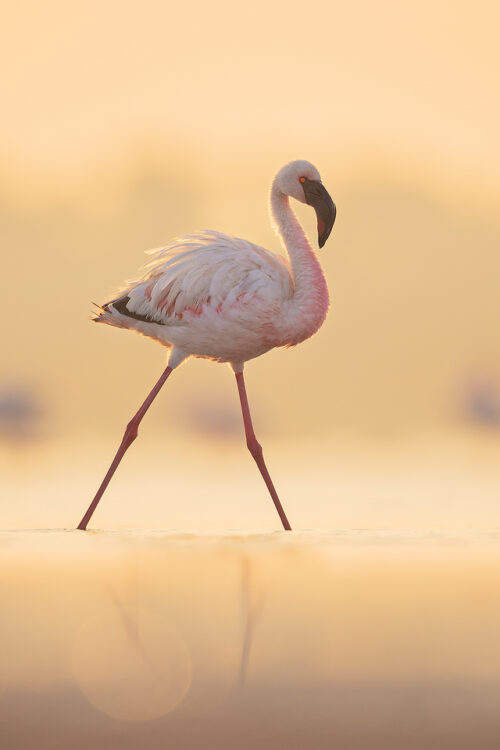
128 438
256 450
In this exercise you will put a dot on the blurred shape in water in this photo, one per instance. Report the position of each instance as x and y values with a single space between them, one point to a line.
480 402
21 413
214 417
252 611
131 665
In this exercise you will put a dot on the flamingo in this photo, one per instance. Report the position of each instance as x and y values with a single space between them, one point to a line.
222 298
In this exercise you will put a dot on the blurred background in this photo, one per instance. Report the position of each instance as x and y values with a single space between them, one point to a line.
374 625
125 124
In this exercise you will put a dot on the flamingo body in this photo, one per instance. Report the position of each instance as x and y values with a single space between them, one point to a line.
209 295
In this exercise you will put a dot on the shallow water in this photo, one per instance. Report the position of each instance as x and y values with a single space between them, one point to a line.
446 482
356 639
375 625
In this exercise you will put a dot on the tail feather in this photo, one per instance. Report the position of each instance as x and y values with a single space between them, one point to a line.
116 313
105 315
97 316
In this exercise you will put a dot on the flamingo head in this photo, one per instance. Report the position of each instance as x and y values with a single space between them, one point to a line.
301 180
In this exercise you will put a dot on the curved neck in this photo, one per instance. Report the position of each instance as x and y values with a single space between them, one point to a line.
310 284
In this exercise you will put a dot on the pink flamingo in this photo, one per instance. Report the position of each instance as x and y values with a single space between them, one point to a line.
222 298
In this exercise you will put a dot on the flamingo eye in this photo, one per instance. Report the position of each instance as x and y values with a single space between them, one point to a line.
302 179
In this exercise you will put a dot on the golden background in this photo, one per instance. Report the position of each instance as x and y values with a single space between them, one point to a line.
188 622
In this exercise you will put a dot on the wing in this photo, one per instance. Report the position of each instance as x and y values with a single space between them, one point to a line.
204 269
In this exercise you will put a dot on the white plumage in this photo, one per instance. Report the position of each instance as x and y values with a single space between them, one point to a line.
206 294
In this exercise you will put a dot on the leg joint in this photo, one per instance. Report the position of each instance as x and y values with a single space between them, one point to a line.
132 429
254 447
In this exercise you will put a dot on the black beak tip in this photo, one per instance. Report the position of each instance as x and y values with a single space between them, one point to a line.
317 196
322 238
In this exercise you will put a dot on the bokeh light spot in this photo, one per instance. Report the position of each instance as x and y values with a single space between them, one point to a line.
131 664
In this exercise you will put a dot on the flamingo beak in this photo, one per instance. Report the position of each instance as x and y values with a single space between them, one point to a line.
318 197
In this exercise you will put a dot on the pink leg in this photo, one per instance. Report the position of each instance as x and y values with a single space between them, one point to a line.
128 438
256 450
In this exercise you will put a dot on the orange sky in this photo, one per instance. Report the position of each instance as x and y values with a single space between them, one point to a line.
88 78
